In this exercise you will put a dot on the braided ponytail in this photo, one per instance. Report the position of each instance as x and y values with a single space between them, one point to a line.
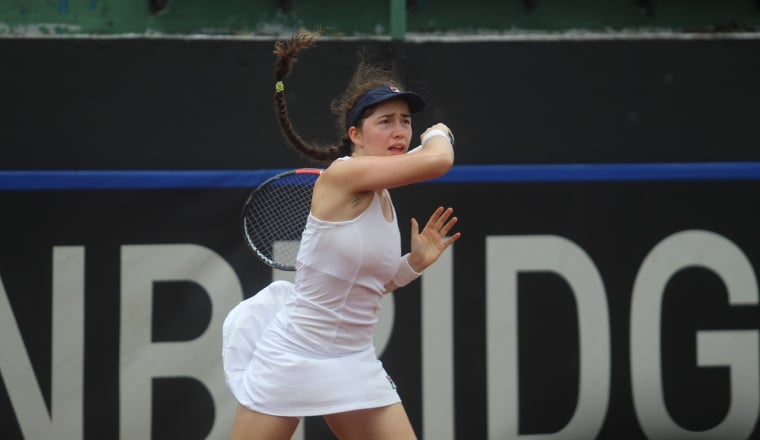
286 56
366 77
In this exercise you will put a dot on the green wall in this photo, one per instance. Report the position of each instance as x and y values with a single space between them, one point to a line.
360 18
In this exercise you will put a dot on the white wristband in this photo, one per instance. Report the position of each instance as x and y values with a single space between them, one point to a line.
405 274
436 132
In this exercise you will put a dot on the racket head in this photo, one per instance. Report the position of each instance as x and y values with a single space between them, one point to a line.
274 215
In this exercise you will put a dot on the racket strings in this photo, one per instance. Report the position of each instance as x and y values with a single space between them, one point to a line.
275 216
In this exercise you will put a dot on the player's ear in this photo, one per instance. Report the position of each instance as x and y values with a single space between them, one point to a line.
355 135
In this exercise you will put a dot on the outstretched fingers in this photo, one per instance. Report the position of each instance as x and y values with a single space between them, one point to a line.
441 221
452 239
429 244
448 225
434 218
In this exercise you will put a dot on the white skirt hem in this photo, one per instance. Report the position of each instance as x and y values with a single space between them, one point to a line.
277 375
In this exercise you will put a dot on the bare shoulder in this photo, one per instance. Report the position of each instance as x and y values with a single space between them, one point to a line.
335 197
340 172
337 177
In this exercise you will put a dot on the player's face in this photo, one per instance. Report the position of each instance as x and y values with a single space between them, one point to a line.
388 130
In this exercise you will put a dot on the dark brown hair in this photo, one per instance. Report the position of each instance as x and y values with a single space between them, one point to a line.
365 78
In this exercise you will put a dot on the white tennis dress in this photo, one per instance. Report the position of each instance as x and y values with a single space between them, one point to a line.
306 349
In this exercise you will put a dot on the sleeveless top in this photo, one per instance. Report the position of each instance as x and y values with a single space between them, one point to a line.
306 348
341 270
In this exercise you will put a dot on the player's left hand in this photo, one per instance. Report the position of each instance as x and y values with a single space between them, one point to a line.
429 244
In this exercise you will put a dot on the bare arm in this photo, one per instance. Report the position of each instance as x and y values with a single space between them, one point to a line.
369 173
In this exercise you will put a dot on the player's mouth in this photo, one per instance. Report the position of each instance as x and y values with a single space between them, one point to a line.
397 149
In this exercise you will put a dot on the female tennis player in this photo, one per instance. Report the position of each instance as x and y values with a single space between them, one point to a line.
306 348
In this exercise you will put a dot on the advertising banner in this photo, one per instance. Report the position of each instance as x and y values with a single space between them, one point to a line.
581 302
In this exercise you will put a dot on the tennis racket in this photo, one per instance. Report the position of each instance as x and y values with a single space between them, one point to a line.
274 216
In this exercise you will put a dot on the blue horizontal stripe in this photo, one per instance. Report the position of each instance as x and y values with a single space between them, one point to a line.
611 172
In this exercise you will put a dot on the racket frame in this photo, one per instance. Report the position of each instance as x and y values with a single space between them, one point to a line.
269 261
